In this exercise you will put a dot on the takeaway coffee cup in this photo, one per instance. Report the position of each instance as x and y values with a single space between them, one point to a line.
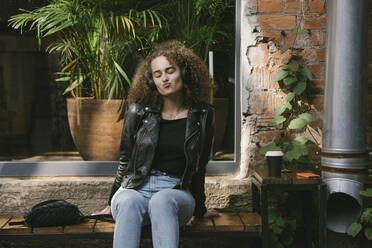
274 162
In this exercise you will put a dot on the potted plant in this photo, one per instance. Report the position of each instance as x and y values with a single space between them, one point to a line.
98 42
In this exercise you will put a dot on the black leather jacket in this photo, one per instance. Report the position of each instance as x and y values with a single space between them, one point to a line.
139 141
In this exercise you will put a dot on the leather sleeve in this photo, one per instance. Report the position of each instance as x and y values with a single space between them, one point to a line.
131 121
198 180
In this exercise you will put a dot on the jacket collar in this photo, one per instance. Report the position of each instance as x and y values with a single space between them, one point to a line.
199 107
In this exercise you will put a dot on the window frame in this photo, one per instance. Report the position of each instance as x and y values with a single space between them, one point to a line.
108 168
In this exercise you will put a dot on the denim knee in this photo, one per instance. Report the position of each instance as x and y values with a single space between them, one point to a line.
128 200
163 201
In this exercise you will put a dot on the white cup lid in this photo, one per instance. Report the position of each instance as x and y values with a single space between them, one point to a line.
273 154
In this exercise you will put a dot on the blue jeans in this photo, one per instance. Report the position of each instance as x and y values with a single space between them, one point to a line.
154 201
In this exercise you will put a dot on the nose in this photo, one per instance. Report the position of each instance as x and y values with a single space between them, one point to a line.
164 78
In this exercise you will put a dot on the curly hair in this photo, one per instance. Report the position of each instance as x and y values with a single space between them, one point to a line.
199 88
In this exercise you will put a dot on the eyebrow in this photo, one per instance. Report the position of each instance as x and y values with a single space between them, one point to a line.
170 67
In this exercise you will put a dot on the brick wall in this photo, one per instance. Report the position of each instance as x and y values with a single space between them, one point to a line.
275 19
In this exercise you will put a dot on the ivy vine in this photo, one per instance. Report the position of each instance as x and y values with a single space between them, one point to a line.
294 78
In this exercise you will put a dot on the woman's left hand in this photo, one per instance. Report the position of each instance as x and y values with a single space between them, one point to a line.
211 213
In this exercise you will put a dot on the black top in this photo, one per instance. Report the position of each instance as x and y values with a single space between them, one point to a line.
170 156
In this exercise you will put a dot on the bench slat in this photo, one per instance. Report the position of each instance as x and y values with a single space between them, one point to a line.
49 229
200 224
4 220
85 227
16 228
102 227
252 221
228 222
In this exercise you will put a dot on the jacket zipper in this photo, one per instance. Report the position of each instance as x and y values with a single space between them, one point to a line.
186 155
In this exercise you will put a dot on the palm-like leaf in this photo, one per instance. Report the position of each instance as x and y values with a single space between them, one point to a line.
95 38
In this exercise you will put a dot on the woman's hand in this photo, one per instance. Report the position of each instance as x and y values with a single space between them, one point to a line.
106 210
211 213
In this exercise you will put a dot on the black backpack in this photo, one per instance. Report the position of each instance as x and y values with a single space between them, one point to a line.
56 213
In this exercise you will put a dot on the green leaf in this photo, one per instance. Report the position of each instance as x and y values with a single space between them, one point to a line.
277 120
368 232
284 67
366 193
307 73
290 97
294 65
307 117
367 215
280 75
299 88
303 31
301 139
277 229
289 80
296 152
354 229
269 147
280 110
297 123
288 105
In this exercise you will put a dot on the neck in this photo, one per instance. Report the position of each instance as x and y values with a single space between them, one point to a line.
172 104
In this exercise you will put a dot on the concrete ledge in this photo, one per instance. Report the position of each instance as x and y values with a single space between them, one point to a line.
19 194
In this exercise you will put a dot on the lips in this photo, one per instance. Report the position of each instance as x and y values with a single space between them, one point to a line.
166 85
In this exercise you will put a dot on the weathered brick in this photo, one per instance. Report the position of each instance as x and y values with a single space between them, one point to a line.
317 102
369 70
317 38
277 134
264 102
258 55
369 102
317 6
276 22
292 6
280 59
318 86
272 36
317 70
265 136
311 55
369 138
269 6
369 86
315 22
369 120
261 78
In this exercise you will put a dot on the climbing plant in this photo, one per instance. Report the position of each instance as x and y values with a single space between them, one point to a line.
294 115
294 79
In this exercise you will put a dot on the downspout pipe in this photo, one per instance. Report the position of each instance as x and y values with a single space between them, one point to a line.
344 153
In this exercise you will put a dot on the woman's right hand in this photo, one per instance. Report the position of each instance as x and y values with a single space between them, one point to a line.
106 210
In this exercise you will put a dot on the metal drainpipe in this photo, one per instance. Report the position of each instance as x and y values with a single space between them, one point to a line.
344 154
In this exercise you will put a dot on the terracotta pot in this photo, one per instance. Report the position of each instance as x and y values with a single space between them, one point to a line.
95 127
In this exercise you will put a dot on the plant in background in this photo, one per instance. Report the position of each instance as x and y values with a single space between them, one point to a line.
365 221
97 40
199 24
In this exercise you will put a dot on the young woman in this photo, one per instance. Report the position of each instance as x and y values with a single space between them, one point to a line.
165 146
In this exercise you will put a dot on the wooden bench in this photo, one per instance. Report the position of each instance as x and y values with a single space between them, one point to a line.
229 224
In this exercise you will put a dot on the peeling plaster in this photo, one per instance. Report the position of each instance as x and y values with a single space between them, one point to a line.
249 38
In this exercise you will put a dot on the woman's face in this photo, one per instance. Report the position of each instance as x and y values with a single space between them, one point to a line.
167 76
